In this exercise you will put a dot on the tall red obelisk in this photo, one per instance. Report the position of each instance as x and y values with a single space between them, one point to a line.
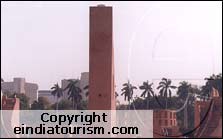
101 60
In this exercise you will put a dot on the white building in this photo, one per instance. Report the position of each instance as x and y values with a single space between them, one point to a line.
19 85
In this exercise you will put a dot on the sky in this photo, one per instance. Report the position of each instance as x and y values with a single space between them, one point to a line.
45 42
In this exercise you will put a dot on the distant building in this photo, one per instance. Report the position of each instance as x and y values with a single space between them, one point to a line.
19 85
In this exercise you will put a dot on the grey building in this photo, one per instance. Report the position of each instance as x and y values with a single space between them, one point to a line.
19 85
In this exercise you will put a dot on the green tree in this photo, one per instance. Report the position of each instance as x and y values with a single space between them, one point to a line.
165 87
42 104
127 91
139 104
147 91
57 92
82 105
214 81
65 104
183 90
74 93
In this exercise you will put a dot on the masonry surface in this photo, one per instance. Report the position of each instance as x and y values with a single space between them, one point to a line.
101 66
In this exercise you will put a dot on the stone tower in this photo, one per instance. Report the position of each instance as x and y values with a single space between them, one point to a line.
101 59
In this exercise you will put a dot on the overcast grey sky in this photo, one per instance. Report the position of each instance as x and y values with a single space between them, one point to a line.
48 41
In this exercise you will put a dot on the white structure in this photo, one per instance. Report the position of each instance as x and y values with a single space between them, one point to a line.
19 85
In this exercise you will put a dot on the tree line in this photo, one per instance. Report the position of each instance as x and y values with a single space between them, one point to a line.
185 93
161 100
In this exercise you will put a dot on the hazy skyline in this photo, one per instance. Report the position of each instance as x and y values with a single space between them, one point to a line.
46 42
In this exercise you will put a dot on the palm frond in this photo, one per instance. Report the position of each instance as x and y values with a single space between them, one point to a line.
164 79
160 86
142 87
162 83
161 92
173 87
143 94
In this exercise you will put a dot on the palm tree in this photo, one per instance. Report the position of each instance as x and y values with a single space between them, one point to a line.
165 88
148 91
214 81
183 92
57 92
74 92
127 91
206 89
